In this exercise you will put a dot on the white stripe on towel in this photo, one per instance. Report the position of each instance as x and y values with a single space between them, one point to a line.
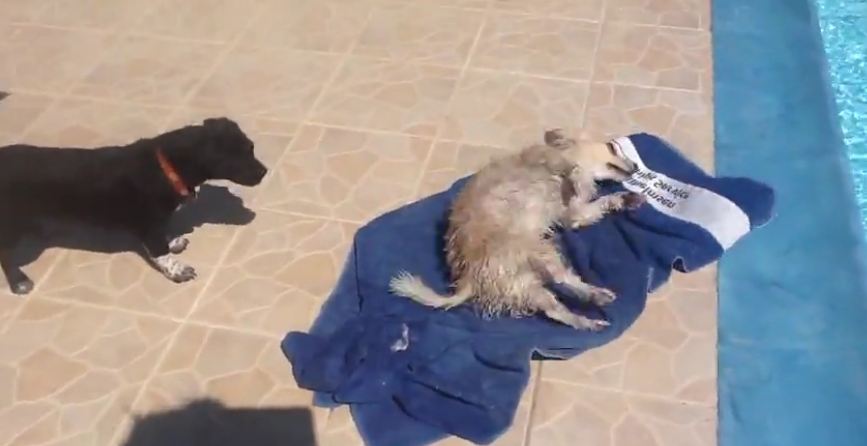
718 215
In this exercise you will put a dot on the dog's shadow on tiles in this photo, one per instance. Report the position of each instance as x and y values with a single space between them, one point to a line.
207 422
214 205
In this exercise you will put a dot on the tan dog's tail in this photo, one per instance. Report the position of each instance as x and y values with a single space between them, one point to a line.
410 286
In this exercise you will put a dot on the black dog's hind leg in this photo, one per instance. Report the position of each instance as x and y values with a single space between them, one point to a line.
10 234
160 252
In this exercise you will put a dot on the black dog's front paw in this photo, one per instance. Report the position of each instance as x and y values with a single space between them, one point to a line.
174 269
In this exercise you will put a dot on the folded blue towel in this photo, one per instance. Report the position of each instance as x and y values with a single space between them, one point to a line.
413 374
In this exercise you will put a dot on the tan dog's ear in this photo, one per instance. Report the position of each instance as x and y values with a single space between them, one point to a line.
556 139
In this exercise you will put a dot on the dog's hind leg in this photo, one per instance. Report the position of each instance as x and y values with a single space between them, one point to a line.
177 245
547 302
18 281
549 264
160 252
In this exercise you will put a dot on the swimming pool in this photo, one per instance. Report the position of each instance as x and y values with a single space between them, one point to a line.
844 32
792 362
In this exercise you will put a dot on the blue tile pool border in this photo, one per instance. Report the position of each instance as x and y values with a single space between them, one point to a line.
792 362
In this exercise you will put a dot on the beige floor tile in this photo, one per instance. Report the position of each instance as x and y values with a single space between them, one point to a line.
213 20
565 413
694 14
339 429
94 14
250 124
388 96
269 83
539 46
407 31
229 368
125 280
150 70
465 4
88 123
346 174
18 112
670 351
508 111
277 274
24 51
654 57
329 25
684 118
450 161
586 9
69 373
19 11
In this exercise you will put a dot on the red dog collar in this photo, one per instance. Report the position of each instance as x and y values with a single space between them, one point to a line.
172 175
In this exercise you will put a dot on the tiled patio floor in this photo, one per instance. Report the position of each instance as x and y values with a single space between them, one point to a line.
358 106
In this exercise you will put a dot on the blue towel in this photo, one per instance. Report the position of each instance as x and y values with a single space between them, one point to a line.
413 374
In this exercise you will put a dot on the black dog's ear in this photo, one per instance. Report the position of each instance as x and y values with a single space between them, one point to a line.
218 125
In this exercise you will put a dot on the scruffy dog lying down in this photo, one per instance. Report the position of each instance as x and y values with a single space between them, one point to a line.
135 188
498 244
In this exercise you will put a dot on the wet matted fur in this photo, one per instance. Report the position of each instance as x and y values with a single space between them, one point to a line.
498 243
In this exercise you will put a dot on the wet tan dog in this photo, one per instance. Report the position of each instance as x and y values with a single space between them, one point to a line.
498 244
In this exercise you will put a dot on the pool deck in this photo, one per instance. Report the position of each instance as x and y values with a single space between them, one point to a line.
358 107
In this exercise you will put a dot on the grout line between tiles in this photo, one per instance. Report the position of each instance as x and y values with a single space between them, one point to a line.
174 337
594 63
627 392
450 103
537 383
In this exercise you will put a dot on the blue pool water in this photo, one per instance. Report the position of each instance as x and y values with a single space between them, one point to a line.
793 295
844 32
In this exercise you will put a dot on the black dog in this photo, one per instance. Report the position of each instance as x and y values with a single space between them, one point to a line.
134 188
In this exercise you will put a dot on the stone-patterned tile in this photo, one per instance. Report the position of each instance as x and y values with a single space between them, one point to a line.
251 124
599 417
407 31
270 83
346 174
104 271
585 9
517 432
230 368
507 110
670 351
93 14
539 46
68 373
450 161
339 429
388 96
26 50
684 118
320 25
277 274
14 11
654 57
150 70
87 123
18 112
213 20
693 14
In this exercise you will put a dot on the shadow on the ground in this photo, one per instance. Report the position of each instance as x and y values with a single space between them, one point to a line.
3 95
206 422
214 205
